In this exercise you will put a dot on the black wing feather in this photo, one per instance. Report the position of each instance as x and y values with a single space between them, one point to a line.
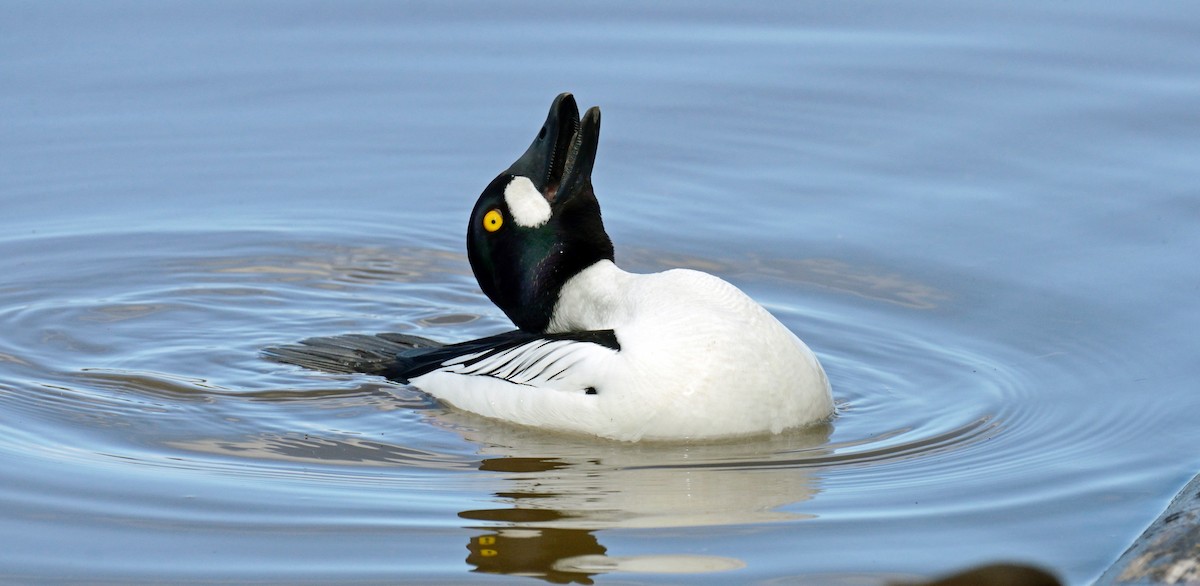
401 357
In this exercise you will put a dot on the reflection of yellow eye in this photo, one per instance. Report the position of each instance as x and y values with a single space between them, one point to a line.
492 220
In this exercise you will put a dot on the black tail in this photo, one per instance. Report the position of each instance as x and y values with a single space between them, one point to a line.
351 353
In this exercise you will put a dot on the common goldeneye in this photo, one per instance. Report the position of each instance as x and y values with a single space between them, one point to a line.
674 355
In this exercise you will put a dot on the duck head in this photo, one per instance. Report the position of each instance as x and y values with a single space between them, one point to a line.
538 224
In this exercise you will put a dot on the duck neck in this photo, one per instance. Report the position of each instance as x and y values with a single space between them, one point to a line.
590 299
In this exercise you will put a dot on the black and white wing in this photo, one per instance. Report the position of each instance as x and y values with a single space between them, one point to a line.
538 361
517 357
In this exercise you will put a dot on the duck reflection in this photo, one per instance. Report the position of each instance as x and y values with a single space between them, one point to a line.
553 497
556 496
534 553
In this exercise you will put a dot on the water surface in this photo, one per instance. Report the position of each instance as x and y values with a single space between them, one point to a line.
982 219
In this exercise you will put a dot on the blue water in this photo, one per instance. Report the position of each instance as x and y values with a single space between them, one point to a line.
982 218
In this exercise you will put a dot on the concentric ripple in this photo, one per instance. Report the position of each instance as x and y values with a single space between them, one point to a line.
132 389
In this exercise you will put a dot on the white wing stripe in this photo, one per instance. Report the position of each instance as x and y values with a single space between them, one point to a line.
539 361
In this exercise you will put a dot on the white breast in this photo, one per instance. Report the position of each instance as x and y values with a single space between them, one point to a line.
698 357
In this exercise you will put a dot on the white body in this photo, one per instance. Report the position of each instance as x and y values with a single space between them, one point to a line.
699 359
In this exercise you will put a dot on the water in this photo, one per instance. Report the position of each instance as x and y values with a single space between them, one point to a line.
982 218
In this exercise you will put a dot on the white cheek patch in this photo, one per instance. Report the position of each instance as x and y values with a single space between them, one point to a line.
526 204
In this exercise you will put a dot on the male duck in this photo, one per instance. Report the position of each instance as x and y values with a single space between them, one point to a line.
674 355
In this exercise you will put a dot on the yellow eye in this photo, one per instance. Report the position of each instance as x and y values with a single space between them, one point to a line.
492 220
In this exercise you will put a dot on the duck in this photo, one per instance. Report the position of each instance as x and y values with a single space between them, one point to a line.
598 351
